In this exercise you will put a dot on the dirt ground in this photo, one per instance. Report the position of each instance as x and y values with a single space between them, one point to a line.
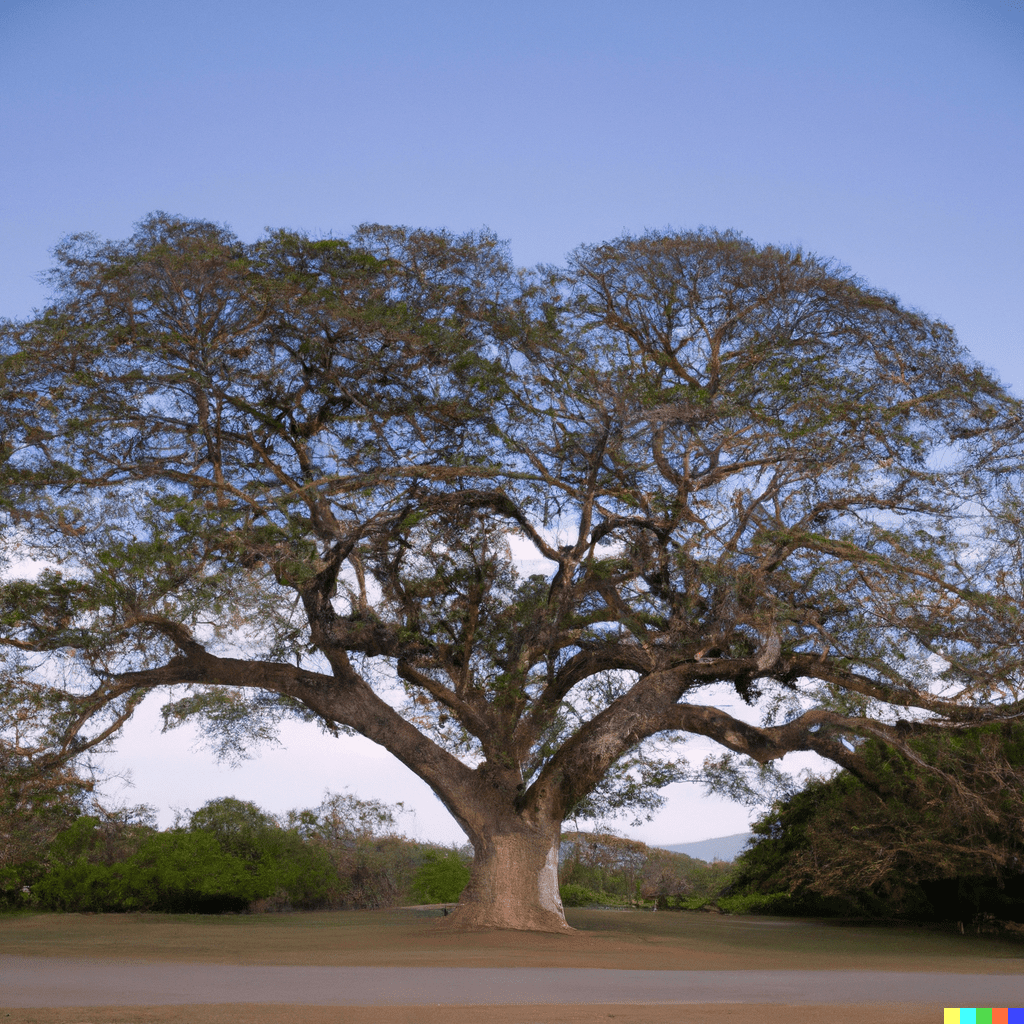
605 939
249 1013
637 941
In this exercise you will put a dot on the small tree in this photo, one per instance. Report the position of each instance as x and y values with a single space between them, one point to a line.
300 477
603 862
375 864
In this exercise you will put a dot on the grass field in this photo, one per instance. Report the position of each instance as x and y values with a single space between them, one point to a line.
662 941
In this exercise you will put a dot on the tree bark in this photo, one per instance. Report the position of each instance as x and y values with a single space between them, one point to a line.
514 881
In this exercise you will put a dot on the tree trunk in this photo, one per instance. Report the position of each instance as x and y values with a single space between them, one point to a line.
514 882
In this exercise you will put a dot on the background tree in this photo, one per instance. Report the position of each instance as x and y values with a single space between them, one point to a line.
40 795
362 840
946 843
302 477
604 868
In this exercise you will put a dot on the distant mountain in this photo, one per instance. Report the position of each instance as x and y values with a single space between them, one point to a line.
722 848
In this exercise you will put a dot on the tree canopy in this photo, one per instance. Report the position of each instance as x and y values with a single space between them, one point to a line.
514 525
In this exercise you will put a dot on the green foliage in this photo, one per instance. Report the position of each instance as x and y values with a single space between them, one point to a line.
30 819
602 868
756 903
40 795
700 879
441 878
239 827
79 842
933 846
379 872
233 855
227 856
342 818
576 895
683 902
360 839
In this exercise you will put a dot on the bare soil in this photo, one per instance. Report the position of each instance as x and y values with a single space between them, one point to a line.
604 939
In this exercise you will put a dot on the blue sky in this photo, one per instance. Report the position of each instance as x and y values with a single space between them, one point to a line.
888 135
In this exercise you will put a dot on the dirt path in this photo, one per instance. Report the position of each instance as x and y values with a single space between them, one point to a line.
254 1013
318 968
54 982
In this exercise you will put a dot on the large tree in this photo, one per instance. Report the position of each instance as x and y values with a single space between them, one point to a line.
311 477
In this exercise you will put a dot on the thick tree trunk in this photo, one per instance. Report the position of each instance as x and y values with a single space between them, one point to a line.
514 883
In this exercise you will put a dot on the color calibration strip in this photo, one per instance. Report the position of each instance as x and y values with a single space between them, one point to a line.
983 1015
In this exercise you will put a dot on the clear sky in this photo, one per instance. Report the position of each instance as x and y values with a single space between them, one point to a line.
888 135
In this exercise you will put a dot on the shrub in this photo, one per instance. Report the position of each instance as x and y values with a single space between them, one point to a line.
232 856
695 902
575 895
756 903
235 855
441 878
624 872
